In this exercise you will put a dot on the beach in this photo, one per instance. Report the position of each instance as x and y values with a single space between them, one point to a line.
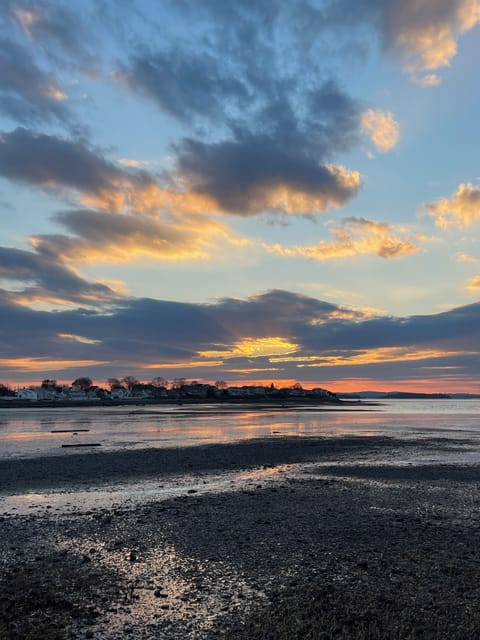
290 537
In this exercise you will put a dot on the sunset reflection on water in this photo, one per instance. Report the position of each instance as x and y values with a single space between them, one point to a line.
27 432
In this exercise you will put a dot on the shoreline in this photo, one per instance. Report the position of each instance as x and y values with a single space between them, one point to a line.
346 547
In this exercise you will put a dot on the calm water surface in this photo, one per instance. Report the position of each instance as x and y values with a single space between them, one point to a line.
28 432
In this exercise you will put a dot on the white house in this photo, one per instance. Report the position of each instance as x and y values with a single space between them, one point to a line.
27 394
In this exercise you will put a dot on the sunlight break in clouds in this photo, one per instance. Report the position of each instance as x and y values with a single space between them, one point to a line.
355 236
461 210
252 348
382 129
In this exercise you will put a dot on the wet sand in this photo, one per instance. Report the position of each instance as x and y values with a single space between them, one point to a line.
319 538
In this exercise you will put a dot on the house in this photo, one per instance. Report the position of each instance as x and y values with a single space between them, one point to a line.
27 394
119 393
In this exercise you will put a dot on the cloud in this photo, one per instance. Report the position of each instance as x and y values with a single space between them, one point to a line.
50 161
28 94
254 175
465 257
461 210
64 166
44 278
474 283
74 169
426 32
184 84
100 237
429 80
422 33
356 236
288 335
52 24
382 128
265 133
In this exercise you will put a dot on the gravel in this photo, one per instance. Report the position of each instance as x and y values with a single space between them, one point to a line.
323 550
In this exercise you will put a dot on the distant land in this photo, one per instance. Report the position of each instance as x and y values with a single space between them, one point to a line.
406 395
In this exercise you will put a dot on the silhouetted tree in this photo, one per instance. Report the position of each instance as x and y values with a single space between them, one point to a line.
49 383
130 382
221 384
114 383
5 390
82 383
160 382
178 383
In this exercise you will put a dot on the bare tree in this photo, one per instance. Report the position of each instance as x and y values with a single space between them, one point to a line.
178 383
130 382
160 382
114 383
82 383
49 383
221 384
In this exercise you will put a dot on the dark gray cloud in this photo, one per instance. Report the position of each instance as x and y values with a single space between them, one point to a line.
331 340
185 85
27 93
45 160
56 163
54 24
268 126
254 174
102 236
44 278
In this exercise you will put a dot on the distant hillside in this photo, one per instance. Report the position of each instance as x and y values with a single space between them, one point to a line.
406 395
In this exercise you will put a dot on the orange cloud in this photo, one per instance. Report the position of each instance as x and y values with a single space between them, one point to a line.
290 200
461 210
71 337
356 236
465 257
119 238
382 128
426 33
474 283
429 80
128 195
44 364
378 356
275 195
54 93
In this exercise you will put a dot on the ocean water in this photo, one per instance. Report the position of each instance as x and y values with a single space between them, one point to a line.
30 432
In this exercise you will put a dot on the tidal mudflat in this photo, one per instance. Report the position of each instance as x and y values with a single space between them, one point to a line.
291 537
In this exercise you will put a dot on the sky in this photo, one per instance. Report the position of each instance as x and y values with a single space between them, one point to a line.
252 191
